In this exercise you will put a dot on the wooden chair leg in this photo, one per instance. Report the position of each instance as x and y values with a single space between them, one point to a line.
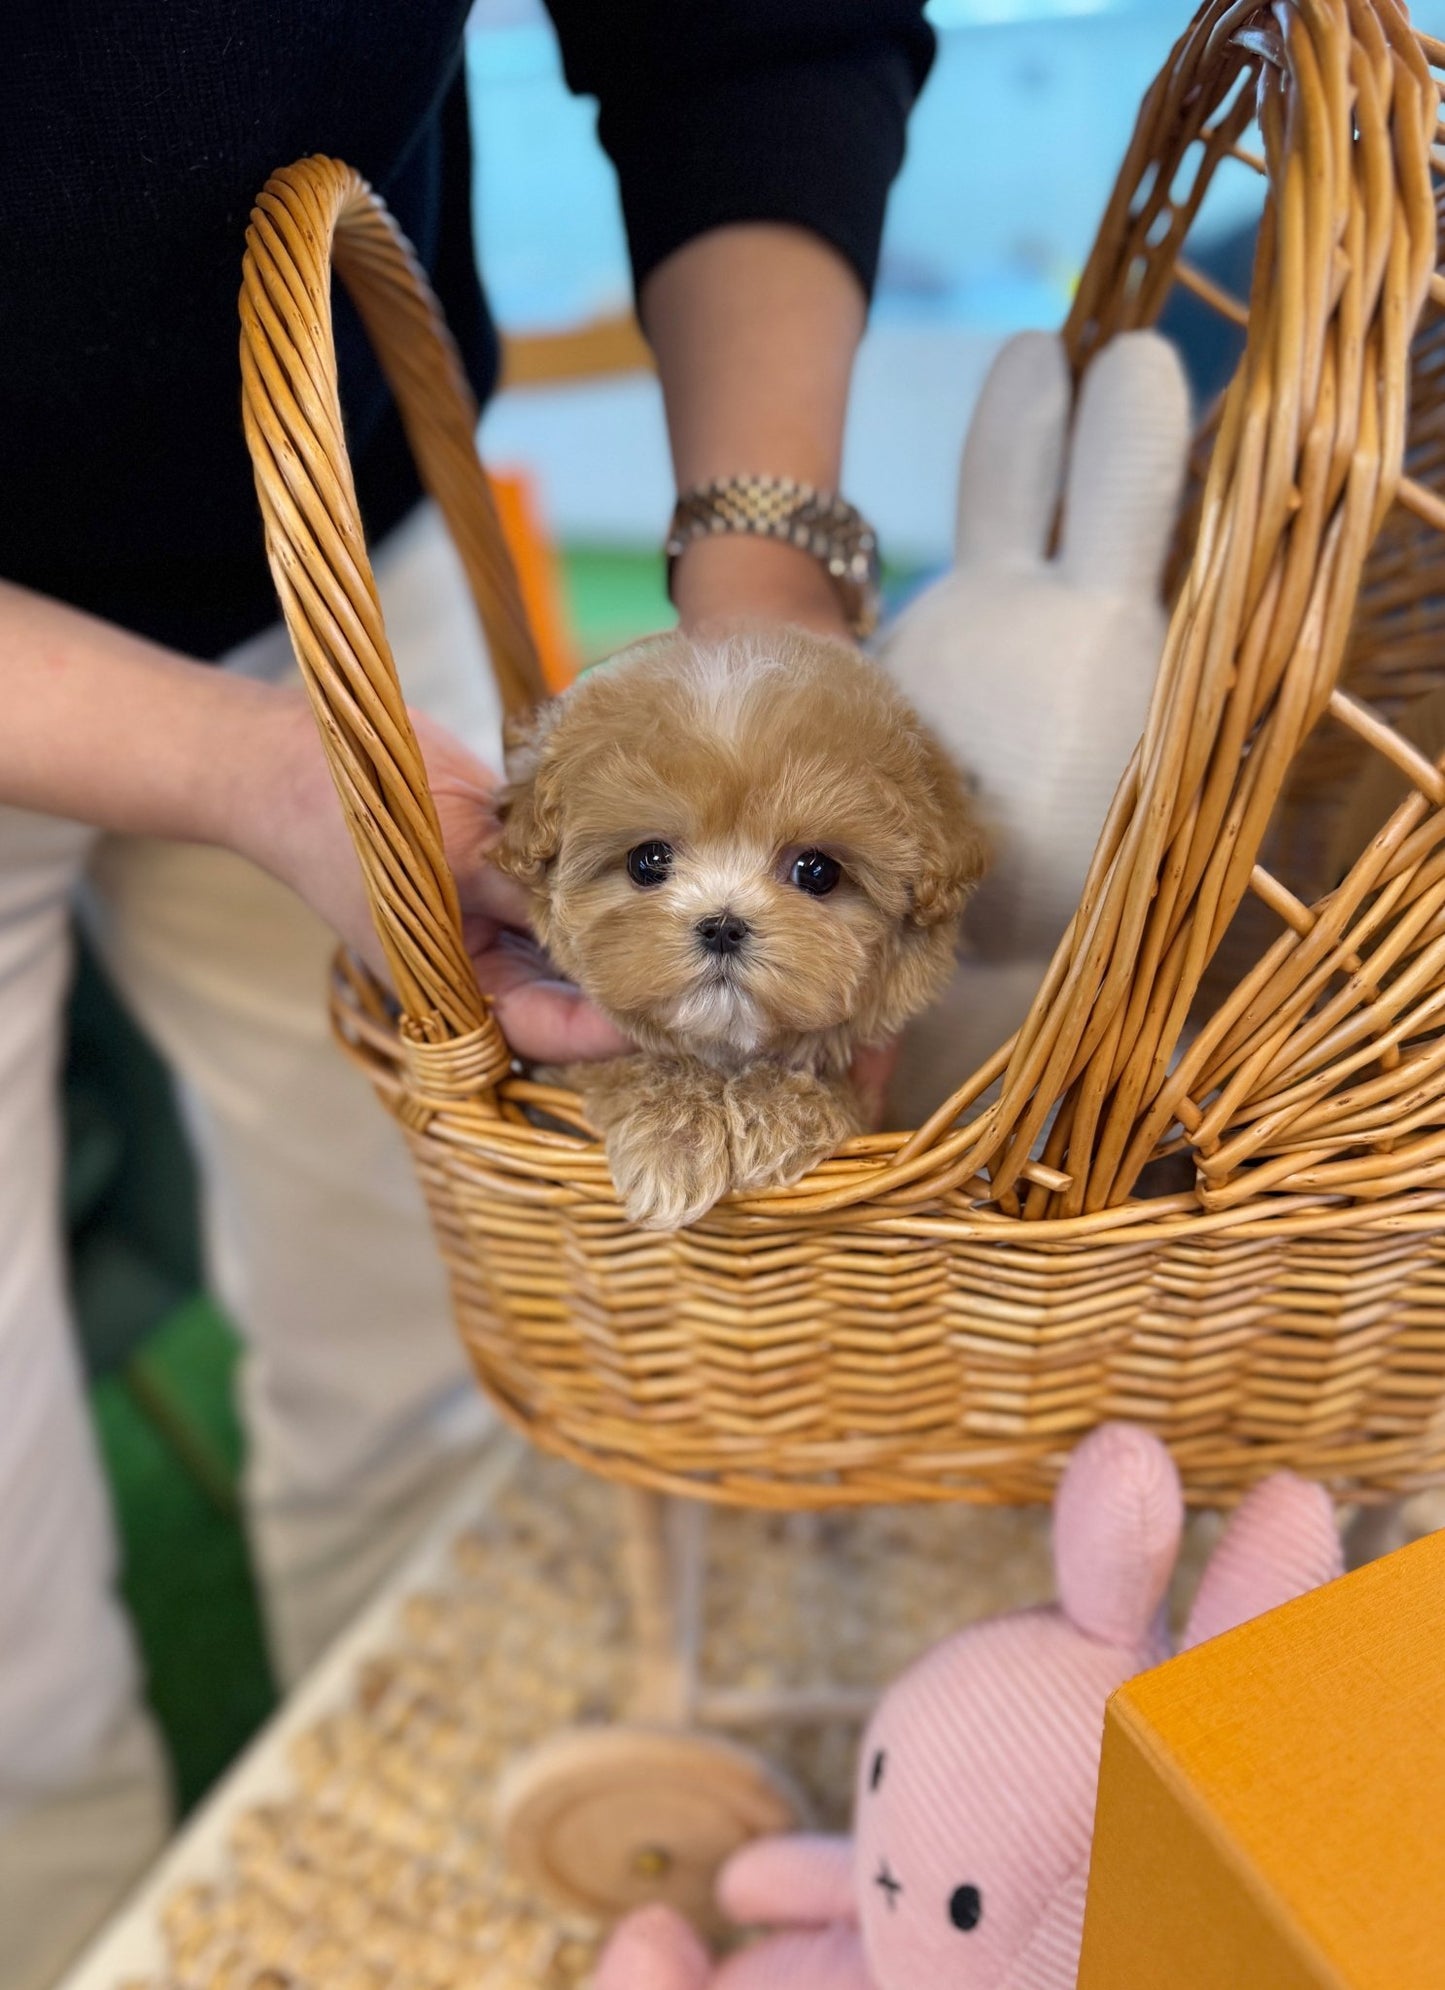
663 1546
604 1819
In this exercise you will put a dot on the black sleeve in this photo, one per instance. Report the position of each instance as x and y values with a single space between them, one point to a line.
715 111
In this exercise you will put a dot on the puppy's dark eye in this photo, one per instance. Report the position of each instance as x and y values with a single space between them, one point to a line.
650 863
965 1908
875 1774
816 873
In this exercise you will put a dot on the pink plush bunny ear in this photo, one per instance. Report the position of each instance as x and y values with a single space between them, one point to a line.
1118 1516
1281 1541
653 1949
803 1881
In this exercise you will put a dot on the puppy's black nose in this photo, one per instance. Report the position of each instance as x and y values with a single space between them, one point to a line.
723 933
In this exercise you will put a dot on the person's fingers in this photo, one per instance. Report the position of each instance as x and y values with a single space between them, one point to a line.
486 893
447 757
544 1019
873 1067
1012 470
464 790
551 1022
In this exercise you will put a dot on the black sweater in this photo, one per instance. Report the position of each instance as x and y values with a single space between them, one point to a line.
134 138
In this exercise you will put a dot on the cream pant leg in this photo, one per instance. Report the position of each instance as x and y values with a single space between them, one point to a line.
83 1798
358 1407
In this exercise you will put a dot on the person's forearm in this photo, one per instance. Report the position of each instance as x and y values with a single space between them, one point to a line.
108 729
755 328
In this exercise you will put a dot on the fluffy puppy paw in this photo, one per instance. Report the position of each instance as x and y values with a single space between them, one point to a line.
665 1127
782 1122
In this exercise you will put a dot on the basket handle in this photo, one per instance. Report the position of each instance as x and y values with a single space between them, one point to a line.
309 216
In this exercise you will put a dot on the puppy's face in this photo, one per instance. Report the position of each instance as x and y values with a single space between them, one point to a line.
743 847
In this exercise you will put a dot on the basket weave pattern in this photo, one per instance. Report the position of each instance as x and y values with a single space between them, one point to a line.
941 1314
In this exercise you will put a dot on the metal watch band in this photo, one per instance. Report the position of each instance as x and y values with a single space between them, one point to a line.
817 522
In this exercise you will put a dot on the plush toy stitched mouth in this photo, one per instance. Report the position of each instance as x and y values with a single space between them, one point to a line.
891 1887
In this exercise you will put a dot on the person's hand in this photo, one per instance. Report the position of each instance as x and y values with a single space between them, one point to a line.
872 1074
543 1017
301 837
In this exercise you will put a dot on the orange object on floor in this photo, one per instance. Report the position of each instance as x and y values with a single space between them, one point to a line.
539 575
1271 1809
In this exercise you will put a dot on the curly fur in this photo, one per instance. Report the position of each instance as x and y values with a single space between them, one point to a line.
739 755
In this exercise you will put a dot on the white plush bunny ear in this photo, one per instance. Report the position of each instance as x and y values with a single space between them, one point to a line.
1013 459
1118 1516
1281 1541
1127 462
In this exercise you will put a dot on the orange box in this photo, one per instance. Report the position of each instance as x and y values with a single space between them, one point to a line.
1271 1808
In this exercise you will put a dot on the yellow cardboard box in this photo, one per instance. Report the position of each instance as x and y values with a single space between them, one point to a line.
1271 1806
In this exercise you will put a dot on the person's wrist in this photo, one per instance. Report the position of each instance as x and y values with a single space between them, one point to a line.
735 578
278 785
213 774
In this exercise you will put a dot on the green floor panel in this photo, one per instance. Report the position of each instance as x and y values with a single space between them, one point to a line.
119 1291
186 1577
613 596
195 1353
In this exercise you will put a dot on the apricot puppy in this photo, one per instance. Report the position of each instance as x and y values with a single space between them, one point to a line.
752 855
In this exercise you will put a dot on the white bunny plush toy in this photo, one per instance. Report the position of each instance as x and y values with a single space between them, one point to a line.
1035 664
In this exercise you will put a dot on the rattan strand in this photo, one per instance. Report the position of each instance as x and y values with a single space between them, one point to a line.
939 1315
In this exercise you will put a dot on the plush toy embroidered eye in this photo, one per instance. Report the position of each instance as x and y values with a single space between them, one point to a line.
650 863
875 1774
965 1908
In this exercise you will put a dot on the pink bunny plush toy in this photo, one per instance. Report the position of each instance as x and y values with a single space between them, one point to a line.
974 1805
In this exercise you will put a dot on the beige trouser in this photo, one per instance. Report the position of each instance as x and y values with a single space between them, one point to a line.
358 1410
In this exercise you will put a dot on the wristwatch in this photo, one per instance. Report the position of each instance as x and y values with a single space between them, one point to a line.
816 522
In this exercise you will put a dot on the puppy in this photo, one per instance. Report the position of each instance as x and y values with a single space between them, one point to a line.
752 856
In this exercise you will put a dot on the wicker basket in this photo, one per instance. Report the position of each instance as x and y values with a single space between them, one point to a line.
939 1315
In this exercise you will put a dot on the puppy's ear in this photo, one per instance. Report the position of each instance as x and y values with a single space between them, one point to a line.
524 739
953 849
529 808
